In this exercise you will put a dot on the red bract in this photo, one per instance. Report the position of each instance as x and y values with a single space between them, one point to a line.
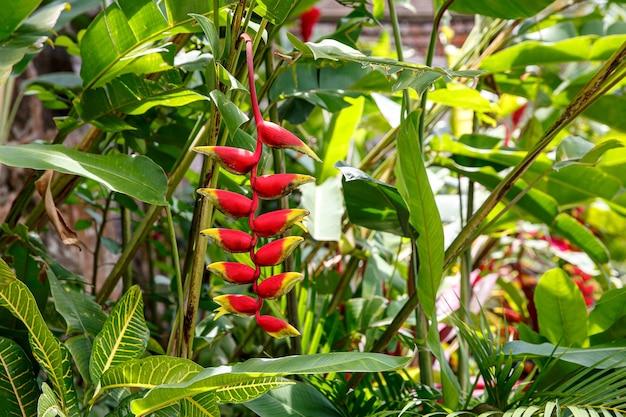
275 252
235 160
233 241
277 222
274 186
233 272
276 327
241 305
278 285
232 204
277 136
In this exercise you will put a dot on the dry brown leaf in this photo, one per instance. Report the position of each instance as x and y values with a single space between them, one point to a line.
68 236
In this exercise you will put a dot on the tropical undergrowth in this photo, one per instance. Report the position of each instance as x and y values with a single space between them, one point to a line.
241 214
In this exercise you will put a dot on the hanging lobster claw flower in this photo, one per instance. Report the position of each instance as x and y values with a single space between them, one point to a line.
276 327
234 241
233 272
277 222
232 204
240 305
278 285
276 136
275 252
275 186
235 160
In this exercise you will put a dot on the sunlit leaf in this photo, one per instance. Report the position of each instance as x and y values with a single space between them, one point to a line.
124 335
17 381
504 9
561 309
298 399
415 188
47 349
136 176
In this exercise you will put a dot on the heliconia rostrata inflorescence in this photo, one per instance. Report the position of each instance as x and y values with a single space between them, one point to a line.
267 225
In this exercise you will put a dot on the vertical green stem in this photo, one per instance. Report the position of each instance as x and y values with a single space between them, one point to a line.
178 322
127 281
96 251
465 297
430 53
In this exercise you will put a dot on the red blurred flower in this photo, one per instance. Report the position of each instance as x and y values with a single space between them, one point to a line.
308 20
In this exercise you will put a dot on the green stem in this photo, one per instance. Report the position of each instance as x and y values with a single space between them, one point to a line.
127 231
178 322
96 251
430 53
465 296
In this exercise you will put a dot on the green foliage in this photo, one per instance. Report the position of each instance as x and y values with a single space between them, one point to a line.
489 191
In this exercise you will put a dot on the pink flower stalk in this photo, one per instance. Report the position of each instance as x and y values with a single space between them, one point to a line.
268 225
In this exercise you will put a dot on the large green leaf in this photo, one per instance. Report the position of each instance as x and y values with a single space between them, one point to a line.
414 187
608 311
18 387
504 9
149 372
14 13
124 335
222 386
81 313
373 204
80 348
136 176
276 11
200 405
596 357
298 399
333 50
47 349
30 34
561 309
240 381
581 48
340 135
48 405
120 39
132 94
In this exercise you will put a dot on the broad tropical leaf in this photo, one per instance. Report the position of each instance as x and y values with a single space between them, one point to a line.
298 399
149 372
582 48
48 406
561 309
47 349
245 390
136 176
81 313
414 187
373 204
132 94
124 335
120 39
200 405
248 378
18 387
504 9
609 357
20 34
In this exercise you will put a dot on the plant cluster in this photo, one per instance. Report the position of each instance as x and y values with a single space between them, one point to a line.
267 225
464 250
